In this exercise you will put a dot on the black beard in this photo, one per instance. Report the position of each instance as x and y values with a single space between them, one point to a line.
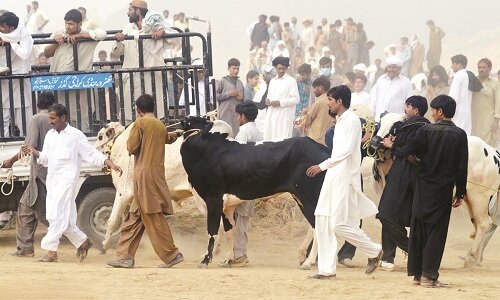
332 114
133 19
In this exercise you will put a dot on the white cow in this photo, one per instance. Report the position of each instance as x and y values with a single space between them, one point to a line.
483 182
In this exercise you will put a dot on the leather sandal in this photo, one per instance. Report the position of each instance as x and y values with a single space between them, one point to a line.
47 258
319 276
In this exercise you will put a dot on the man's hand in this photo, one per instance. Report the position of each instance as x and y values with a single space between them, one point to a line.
7 164
412 159
366 137
108 163
158 34
313 171
240 96
59 39
303 112
275 103
72 38
27 149
233 93
457 201
388 142
119 36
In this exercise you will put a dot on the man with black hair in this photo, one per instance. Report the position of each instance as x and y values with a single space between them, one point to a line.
325 69
146 142
282 97
316 120
37 19
143 21
31 207
247 112
63 61
436 34
62 153
443 150
459 91
230 92
341 203
21 46
260 32
304 84
397 197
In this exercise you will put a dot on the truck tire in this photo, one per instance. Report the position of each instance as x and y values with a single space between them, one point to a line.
93 214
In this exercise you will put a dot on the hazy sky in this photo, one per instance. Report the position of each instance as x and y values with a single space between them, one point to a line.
470 28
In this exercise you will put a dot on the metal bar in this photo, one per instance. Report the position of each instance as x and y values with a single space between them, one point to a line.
75 56
122 99
23 107
1 111
89 110
166 98
195 92
153 91
132 95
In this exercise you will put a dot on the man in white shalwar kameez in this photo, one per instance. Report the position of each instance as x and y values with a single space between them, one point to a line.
282 96
63 150
21 45
341 202
391 90
141 22
459 91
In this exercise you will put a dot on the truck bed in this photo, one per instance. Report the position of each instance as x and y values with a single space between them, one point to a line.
21 173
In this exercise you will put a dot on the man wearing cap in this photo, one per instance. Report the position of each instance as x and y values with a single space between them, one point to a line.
391 90
142 22
283 95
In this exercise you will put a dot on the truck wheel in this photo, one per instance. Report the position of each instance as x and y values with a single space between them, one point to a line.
93 215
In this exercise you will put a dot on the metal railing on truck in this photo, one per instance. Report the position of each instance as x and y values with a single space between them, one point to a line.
107 103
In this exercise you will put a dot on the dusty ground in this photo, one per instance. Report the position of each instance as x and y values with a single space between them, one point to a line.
272 274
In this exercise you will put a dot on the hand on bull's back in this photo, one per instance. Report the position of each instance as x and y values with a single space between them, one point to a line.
313 171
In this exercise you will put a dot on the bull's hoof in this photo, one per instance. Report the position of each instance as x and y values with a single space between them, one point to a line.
305 267
202 265
226 264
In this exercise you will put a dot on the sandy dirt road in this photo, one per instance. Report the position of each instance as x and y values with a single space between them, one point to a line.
273 271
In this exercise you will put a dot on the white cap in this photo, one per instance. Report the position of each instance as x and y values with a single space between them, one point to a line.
394 60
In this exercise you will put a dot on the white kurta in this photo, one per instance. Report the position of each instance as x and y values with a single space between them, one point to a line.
279 120
152 55
341 197
62 154
459 90
260 121
201 97
341 202
360 98
390 95
249 133
21 46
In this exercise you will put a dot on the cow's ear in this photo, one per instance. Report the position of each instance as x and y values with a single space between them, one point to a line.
206 130
110 132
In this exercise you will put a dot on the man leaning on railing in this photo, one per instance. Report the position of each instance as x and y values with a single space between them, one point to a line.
63 61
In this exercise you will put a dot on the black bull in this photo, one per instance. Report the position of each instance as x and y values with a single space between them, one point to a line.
216 166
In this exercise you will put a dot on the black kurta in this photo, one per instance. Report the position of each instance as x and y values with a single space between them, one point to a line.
443 150
397 198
